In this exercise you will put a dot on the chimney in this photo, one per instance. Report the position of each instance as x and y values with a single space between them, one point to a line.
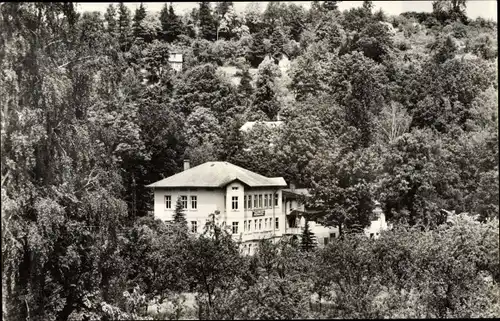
292 186
186 164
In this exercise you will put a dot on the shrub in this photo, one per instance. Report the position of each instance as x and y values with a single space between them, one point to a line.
403 45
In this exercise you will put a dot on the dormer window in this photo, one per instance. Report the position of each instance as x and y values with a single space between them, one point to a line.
235 188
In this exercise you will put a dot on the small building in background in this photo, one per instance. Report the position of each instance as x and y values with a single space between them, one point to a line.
250 124
251 206
284 64
175 61
297 213
378 224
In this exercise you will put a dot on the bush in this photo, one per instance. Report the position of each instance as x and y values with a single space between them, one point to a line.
459 30
403 45
410 273
483 47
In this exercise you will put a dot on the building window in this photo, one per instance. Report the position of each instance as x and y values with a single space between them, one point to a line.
194 202
325 240
276 199
255 227
234 202
249 201
255 204
184 201
194 226
244 226
250 248
371 235
332 235
265 223
224 202
260 224
235 188
265 200
168 201
245 202
277 223
260 200
235 227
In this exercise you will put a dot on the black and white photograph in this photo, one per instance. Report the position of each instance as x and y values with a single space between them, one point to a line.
265 160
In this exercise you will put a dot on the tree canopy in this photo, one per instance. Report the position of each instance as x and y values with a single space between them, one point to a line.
371 107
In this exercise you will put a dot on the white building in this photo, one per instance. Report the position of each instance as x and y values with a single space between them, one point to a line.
378 224
251 206
175 61
271 124
296 214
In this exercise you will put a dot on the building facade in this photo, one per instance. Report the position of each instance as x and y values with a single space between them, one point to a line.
251 207
175 60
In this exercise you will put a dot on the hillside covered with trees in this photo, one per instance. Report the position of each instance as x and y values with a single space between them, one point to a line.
400 109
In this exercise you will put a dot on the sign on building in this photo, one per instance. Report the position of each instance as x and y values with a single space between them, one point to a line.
258 213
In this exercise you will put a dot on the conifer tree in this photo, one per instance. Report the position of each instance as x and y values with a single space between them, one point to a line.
265 98
245 87
140 14
227 21
165 23
176 29
277 43
257 50
179 216
331 5
124 26
110 17
170 23
222 8
207 23
307 243
368 6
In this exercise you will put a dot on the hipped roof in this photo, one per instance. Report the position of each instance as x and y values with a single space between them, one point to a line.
218 174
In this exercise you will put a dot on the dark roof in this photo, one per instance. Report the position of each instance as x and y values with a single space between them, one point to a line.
296 192
218 174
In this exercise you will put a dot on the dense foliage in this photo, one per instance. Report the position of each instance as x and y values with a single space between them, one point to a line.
402 109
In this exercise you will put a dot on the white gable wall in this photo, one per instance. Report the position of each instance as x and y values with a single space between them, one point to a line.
208 201
236 214
377 225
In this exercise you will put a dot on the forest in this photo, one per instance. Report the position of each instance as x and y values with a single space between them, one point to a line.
400 109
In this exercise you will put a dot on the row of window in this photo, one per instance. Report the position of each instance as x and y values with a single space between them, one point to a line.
249 201
255 201
249 251
184 202
257 225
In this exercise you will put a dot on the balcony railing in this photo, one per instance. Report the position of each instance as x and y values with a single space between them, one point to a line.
294 230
